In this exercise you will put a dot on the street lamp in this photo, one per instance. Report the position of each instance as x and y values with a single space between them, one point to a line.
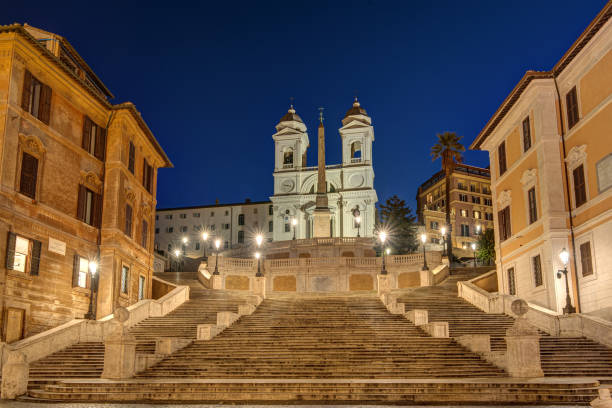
294 223
423 240
177 254
93 268
259 241
217 245
383 237
569 308
258 256
443 233
474 250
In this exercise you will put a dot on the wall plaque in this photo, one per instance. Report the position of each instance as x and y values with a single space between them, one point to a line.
56 246
604 173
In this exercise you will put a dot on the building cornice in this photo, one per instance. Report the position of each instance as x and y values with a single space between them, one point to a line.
586 36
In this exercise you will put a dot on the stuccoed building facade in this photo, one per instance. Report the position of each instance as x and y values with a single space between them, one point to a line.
551 167
470 203
78 179
350 185
236 225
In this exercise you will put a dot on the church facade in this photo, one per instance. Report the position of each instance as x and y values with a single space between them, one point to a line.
350 184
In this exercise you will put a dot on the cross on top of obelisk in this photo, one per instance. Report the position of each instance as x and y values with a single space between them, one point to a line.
321 114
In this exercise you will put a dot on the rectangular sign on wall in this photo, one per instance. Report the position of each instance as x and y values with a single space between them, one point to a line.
56 246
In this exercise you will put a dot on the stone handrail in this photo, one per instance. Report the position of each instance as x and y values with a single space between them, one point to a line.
80 330
549 321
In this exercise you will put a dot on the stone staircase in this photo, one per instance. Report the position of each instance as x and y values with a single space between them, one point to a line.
86 360
323 337
561 357
181 278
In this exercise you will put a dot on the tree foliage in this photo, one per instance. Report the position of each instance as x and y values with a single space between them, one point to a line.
449 149
486 247
396 218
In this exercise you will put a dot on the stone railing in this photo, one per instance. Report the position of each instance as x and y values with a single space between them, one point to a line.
549 321
80 330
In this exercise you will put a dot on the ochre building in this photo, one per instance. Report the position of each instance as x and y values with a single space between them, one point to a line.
470 204
551 167
78 178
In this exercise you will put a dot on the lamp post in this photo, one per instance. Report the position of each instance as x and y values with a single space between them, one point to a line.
93 268
569 308
259 241
423 240
383 237
443 233
177 254
217 245
294 223
474 251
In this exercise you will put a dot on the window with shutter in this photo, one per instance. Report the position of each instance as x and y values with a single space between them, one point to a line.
89 207
100 150
511 282
586 260
35 261
86 140
526 134
537 270
503 219
579 186
10 250
533 210
26 94
501 157
145 233
44 114
29 174
128 220
131 157
571 101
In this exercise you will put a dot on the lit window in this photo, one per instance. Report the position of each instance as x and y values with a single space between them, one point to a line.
22 250
83 268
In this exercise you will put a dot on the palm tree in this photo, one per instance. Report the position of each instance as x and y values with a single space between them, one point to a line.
449 149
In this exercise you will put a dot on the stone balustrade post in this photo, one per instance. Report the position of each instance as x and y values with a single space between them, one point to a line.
384 284
418 317
119 349
259 286
216 282
523 345
15 373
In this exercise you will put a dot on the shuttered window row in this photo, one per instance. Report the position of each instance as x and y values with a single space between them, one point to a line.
579 186
29 175
505 229
36 98
501 157
94 139
89 207
23 254
147 176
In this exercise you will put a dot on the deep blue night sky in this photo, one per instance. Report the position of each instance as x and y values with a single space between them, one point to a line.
212 78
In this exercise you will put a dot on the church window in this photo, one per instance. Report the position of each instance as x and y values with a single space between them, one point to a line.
197 246
241 237
287 227
226 245
288 158
356 152
270 226
241 219
270 210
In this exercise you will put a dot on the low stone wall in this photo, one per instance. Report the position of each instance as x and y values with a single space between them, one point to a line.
332 274
549 321
161 287
80 330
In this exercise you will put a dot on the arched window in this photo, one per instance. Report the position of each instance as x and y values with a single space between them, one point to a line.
288 158
356 152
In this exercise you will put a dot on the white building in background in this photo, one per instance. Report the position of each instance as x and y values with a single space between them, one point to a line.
350 184
234 224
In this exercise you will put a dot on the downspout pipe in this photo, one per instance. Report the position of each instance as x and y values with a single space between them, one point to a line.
569 198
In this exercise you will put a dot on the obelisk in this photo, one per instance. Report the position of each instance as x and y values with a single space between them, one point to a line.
322 215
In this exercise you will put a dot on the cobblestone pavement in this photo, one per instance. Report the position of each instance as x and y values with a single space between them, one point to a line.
13 404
